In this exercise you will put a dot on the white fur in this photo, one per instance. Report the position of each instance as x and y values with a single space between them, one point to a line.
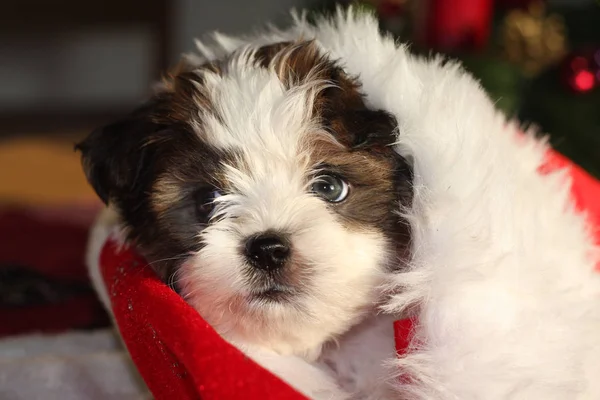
106 225
502 273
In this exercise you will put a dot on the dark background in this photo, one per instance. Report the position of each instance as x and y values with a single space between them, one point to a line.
67 66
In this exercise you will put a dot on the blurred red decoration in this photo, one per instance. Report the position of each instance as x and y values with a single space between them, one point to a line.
582 72
453 25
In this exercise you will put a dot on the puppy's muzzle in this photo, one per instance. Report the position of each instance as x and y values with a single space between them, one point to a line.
268 251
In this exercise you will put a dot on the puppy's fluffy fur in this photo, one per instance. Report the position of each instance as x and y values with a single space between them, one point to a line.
500 274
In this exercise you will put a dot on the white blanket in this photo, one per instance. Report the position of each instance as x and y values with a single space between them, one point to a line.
69 366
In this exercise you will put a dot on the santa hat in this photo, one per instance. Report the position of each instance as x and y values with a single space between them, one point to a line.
504 298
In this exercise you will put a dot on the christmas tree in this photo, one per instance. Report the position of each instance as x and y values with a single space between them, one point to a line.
539 60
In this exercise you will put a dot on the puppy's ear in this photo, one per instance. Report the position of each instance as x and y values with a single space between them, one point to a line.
377 131
371 128
116 157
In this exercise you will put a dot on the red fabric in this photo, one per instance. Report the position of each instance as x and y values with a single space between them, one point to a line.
585 189
50 230
56 265
81 312
181 357
402 335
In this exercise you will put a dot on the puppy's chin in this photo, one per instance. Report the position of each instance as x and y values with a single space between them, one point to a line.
311 303
272 293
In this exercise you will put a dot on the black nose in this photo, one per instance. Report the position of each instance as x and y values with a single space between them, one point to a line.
267 251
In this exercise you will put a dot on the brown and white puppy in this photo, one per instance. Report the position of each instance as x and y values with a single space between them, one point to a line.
266 191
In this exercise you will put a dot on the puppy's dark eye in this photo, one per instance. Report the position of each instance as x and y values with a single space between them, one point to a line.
205 202
331 188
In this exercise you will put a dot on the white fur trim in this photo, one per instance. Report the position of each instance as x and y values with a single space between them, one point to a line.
105 226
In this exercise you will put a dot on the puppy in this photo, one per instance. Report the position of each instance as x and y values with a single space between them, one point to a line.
261 186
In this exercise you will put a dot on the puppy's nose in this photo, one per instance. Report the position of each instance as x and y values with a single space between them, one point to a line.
267 251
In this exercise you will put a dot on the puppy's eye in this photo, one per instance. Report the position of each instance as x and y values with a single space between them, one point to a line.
205 202
331 188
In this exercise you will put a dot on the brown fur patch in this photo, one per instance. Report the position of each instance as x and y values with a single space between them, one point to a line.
374 183
265 55
194 169
297 63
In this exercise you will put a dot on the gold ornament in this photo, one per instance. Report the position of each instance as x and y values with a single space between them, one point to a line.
533 39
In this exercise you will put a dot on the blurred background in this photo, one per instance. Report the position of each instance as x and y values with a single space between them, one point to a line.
538 59
68 66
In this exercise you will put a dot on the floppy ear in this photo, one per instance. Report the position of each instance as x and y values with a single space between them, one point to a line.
377 131
115 157
371 128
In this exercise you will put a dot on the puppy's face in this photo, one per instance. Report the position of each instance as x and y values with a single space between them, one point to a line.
264 189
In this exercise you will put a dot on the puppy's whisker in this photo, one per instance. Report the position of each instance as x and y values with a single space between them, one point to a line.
171 280
162 260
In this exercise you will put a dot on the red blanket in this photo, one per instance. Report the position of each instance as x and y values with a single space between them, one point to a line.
181 357
48 289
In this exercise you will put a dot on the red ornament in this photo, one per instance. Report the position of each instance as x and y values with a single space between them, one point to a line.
582 72
451 25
